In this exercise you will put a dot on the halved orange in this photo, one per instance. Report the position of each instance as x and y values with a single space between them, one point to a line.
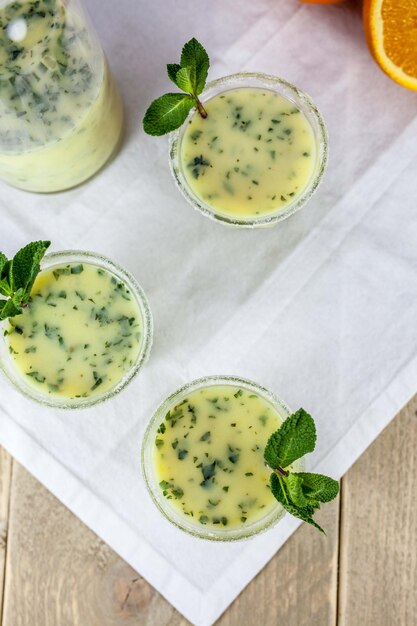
391 32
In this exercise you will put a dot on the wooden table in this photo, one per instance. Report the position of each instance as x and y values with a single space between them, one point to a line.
56 572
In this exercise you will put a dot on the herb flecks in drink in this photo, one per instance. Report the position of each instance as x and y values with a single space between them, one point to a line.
80 333
252 155
210 445
300 493
60 114
17 276
170 110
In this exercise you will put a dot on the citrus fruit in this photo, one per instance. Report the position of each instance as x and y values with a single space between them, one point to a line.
391 31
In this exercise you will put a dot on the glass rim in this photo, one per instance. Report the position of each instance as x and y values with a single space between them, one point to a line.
175 517
267 81
57 258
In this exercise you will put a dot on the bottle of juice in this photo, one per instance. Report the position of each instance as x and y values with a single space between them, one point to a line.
60 113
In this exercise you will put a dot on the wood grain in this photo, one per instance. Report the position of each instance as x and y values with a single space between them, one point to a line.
5 481
378 564
60 574
298 587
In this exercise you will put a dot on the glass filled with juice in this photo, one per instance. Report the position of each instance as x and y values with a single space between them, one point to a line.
61 115
203 458
257 157
83 336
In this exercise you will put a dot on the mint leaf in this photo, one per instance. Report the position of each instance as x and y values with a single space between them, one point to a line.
17 277
3 263
12 306
317 487
25 266
5 289
300 493
184 79
167 113
172 70
295 438
195 58
294 483
170 111
304 513
278 488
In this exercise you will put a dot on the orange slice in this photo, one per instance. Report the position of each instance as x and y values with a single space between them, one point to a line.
391 32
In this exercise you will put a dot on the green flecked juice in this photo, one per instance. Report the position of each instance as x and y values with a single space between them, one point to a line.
253 154
60 112
81 332
208 456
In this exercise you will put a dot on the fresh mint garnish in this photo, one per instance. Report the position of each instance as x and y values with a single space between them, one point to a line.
300 493
170 110
17 276
295 438
195 60
167 113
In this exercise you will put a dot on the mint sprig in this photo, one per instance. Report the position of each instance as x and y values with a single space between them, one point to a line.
170 110
17 276
300 493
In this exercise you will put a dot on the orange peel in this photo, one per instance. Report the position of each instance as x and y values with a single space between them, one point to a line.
391 32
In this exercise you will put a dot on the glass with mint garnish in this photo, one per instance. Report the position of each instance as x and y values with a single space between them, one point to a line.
248 149
75 327
223 459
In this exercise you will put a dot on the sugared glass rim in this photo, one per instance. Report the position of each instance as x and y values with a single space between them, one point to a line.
152 483
72 256
288 91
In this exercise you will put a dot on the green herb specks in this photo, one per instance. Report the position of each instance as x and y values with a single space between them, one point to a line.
48 83
217 463
91 333
254 151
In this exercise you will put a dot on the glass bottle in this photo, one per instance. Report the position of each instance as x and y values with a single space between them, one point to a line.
60 113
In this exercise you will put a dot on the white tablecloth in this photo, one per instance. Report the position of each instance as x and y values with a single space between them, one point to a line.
321 309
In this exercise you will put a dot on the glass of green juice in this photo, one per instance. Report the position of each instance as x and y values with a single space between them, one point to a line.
84 335
202 458
257 157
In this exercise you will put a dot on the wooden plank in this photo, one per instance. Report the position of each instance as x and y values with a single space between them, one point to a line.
60 574
378 556
298 587
5 480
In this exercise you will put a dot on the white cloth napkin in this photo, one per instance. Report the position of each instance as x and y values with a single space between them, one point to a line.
321 309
